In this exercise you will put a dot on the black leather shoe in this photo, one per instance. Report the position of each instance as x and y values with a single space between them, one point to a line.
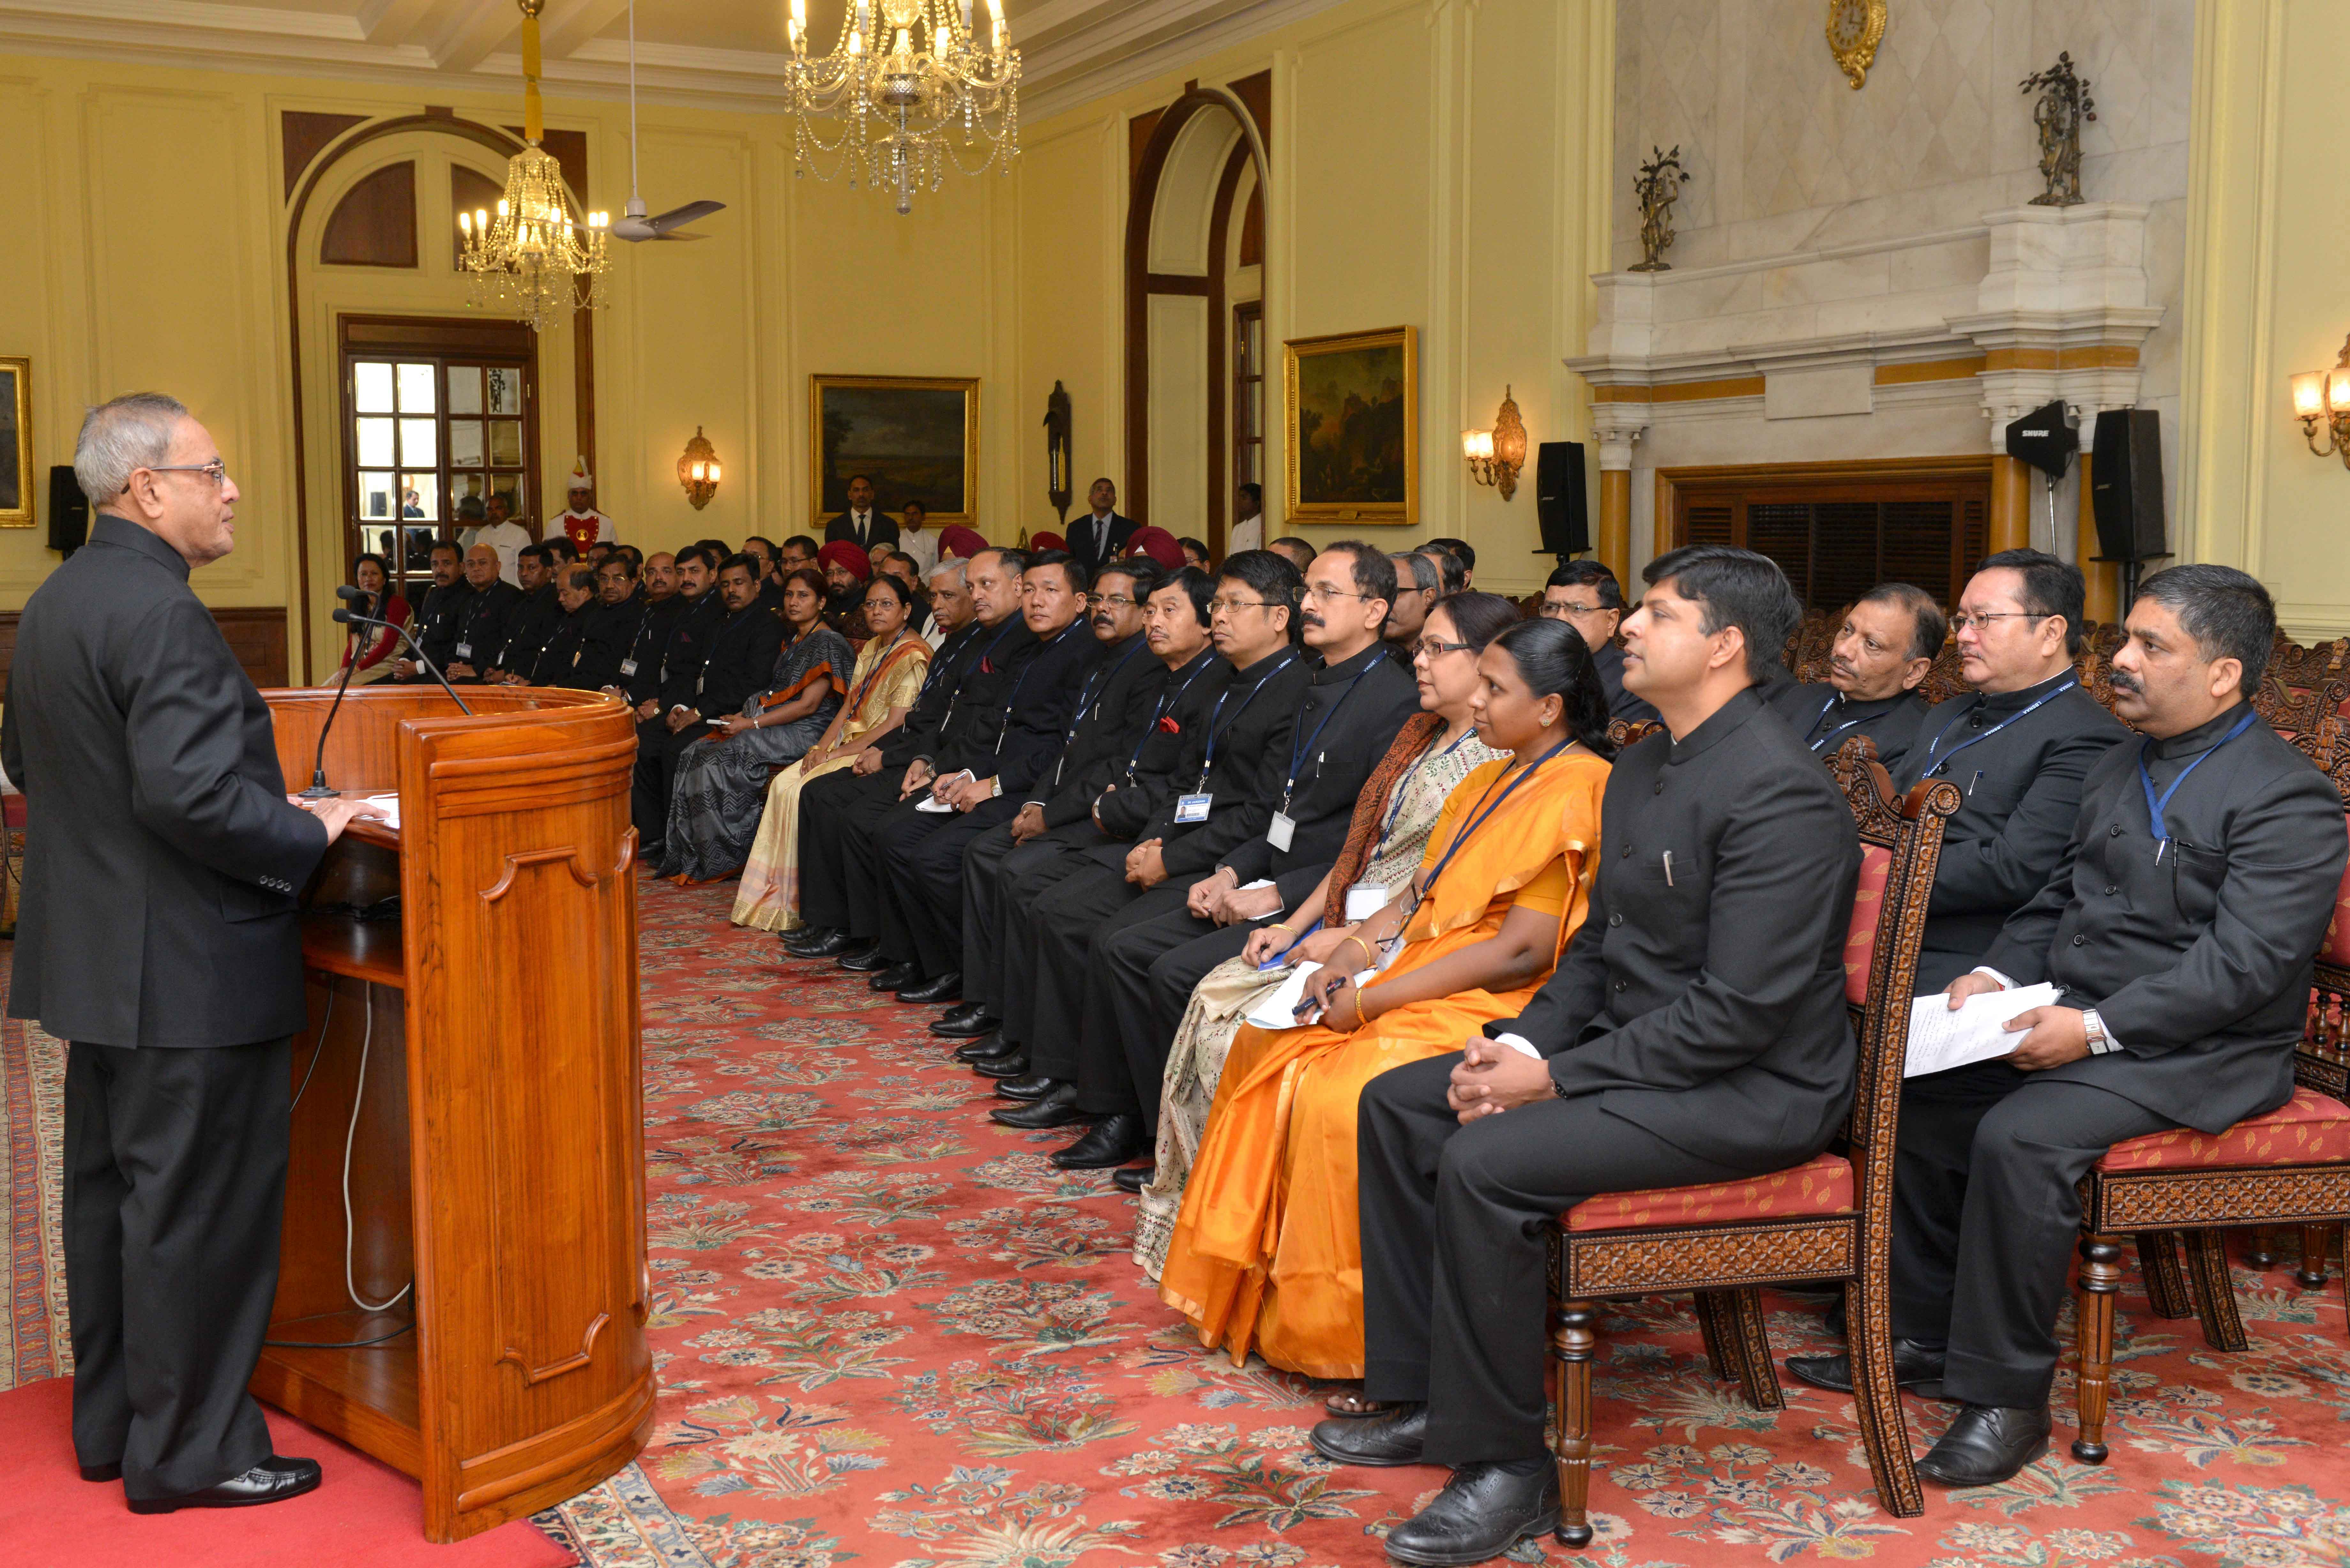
112 1472
1915 1367
864 958
897 974
818 942
1057 1109
1015 1065
1394 1438
272 1480
1986 1444
1108 1143
1483 1511
946 988
1027 1087
1134 1178
968 1022
989 1047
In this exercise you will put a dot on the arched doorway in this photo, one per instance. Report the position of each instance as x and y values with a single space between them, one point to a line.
1194 288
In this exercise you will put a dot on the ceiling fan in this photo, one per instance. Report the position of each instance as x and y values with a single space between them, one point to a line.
633 224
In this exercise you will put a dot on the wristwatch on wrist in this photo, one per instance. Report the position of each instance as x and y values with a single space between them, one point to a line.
2100 1042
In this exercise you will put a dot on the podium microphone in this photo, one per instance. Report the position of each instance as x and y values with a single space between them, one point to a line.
318 789
348 619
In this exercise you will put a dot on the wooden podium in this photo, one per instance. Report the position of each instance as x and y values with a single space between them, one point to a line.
496 1156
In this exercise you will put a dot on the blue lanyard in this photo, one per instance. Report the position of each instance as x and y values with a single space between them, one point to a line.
1840 729
1403 785
1166 705
1462 837
2154 803
1934 768
1214 734
1298 749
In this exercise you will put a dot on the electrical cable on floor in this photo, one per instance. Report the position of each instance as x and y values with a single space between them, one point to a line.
350 1137
342 1343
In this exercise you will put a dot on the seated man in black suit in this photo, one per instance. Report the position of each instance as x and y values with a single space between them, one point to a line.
534 621
1884 651
482 616
919 855
2018 747
2179 926
436 618
1587 595
737 656
1695 1031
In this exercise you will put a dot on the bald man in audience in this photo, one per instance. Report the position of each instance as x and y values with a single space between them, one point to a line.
1884 651
2196 883
482 618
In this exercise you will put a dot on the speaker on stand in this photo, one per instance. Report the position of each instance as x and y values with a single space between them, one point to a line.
1560 505
2046 440
2125 493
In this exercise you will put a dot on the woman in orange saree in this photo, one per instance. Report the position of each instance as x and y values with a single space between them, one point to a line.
1267 1253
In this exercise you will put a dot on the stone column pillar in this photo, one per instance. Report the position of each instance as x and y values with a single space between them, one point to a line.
1615 426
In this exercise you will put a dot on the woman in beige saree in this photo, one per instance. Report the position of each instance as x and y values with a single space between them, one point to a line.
882 688
1434 751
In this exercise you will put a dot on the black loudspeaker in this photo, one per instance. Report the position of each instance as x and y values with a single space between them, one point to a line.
1560 505
2126 486
68 512
2042 438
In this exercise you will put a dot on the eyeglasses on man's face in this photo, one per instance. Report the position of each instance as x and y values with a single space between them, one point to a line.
1981 622
1111 602
1560 609
1218 606
216 470
1322 594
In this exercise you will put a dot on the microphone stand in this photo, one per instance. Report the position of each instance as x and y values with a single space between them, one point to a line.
318 790
347 617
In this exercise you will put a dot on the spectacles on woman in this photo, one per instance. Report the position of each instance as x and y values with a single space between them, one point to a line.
1435 647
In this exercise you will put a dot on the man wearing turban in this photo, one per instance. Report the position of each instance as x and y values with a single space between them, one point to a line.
847 570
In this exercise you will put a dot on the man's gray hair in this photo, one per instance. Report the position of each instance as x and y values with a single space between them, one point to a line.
946 569
131 432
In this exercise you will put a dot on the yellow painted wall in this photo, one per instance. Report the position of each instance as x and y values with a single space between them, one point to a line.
147 247
2267 296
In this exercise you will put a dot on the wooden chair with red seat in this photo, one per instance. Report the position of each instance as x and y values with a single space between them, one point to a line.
1827 1221
2290 1166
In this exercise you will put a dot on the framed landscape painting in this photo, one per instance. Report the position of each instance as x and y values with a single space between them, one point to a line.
1353 407
16 443
916 437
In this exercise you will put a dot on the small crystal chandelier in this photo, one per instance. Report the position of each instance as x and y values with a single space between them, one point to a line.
912 91
530 257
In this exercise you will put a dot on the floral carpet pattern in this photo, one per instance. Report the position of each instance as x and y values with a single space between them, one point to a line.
890 1334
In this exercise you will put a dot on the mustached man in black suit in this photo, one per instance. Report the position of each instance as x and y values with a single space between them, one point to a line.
862 525
1101 534
1883 653
1695 1031
1587 595
2200 871
159 937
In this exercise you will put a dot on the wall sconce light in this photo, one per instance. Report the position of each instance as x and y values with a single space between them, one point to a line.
698 469
1496 456
2325 395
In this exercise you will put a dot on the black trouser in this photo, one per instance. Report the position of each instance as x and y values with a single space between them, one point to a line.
923 882
657 753
174 1195
840 867
1038 877
990 863
1068 927
1985 1219
1455 1261
1134 1005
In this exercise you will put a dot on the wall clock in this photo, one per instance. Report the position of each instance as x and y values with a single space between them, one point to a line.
1854 29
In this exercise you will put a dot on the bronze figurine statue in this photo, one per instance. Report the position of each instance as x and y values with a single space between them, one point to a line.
1657 188
2065 103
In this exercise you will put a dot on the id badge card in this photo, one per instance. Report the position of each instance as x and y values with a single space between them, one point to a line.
1365 899
464 650
1280 830
1192 807
627 667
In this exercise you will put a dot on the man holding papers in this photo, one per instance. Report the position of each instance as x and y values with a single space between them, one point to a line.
2178 930
1695 1031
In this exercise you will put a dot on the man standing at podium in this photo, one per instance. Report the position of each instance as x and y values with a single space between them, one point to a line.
159 936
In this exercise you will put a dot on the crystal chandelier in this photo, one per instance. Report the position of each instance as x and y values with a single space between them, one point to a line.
911 91
532 255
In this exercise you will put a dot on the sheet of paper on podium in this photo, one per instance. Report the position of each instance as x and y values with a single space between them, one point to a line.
1941 1039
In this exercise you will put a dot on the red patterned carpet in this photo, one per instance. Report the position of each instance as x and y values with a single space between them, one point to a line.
890 1334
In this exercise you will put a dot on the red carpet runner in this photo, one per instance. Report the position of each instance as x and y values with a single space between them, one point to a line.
890 1333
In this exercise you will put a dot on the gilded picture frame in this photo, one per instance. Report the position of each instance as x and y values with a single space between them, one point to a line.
916 437
1351 402
16 443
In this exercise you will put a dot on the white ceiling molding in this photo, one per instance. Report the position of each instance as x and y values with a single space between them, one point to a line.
1074 51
